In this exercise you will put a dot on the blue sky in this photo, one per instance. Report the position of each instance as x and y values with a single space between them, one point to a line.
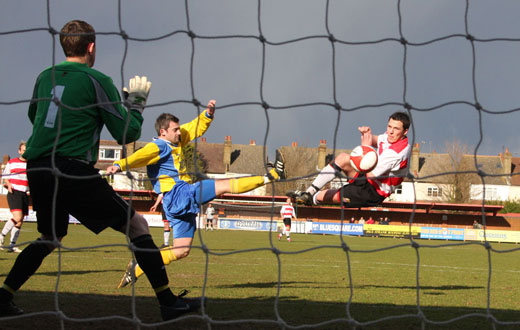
298 77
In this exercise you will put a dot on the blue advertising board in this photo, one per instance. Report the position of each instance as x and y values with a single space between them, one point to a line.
241 224
334 228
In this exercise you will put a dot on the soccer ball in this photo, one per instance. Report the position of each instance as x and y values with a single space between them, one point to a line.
363 159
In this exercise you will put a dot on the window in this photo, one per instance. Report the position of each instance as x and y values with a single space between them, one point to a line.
491 194
434 192
109 154
399 189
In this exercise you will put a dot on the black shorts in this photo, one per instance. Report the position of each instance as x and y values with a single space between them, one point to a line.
18 201
361 193
209 220
287 221
86 196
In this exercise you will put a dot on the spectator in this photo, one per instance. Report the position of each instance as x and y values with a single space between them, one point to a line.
361 221
370 221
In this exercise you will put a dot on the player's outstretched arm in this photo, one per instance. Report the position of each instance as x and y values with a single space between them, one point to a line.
198 126
211 108
367 138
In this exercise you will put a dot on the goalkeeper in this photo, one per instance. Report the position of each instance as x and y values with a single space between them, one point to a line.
166 168
70 105
365 189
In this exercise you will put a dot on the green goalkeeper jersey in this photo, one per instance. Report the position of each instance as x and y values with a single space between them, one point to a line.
88 100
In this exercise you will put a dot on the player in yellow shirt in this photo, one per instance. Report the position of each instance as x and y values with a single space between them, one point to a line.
166 168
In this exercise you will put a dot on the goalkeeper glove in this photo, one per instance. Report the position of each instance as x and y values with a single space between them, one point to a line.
137 93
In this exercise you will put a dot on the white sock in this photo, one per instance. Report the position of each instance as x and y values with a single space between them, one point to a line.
166 236
326 175
315 200
15 232
7 227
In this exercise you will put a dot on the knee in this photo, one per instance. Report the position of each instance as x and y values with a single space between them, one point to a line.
138 226
50 242
182 253
342 160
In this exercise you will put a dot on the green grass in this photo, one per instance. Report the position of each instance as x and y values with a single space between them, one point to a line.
317 280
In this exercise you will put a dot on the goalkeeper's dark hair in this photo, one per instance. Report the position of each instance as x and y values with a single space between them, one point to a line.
402 117
75 36
163 121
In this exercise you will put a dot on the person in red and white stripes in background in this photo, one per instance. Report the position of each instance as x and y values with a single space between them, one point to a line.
287 213
15 180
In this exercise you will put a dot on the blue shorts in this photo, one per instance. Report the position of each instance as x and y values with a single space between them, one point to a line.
182 203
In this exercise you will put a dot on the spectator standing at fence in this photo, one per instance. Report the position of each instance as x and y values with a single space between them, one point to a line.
210 215
476 225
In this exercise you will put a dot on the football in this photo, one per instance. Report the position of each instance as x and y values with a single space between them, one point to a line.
363 159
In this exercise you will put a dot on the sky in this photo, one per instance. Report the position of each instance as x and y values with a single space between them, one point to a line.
299 73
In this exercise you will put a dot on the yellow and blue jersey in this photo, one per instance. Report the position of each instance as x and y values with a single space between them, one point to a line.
164 161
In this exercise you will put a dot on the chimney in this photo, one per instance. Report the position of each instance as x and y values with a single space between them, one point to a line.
4 162
227 152
252 142
203 139
294 144
507 163
414 166
322 153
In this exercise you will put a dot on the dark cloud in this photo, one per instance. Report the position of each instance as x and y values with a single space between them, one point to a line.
298 77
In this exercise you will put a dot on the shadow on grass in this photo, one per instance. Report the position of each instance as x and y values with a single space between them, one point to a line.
94 311
266 285
72 272
424 287
314 284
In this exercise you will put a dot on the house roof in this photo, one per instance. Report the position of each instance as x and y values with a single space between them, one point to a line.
213 154
515 169
436 167
243 158
247 159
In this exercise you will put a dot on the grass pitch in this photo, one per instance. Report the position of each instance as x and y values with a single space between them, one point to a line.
255 281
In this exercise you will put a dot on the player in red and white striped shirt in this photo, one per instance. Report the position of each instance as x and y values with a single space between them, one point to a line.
15 180
287 213
370 189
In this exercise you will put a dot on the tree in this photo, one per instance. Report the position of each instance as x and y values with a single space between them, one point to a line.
460 173
197 170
